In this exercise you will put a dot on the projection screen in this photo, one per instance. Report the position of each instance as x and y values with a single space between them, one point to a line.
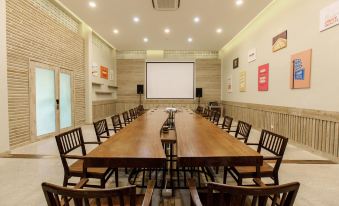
170 80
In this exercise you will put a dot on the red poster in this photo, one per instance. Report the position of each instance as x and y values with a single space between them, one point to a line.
103 72
263 77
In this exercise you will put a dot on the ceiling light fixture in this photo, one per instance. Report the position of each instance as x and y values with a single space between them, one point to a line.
239 2
190 39
219 30
167 30
92 4
145 39
136 19
196 19
115 31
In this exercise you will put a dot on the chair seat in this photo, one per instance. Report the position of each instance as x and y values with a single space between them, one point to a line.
77 168
104 202
250 171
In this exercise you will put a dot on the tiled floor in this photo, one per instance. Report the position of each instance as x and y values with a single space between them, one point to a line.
21 178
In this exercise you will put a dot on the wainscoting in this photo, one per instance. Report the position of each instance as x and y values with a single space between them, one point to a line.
317 130
103 109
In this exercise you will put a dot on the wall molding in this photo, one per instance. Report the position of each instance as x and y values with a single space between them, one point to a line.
315 129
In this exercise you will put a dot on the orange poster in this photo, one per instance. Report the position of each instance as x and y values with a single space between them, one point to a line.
103 72
301 70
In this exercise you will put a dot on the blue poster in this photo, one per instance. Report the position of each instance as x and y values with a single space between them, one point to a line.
299 70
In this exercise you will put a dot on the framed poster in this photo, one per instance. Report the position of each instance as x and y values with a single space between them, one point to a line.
301 70
252 55
279 42
242 81
263 77
229 84
329 16
235 63
103 72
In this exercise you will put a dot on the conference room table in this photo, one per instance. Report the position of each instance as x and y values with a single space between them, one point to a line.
199 143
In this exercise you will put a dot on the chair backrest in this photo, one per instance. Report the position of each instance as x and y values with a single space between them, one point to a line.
212 114
216 118
69 141
227 123
116 122
244 130
132 114
136 112
274 143
101 128
283 195
199 109
126 118
206 111
56 196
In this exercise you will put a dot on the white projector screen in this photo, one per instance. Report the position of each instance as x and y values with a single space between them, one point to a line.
170 80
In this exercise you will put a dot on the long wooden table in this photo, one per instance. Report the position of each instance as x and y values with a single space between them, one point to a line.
201 143
137 146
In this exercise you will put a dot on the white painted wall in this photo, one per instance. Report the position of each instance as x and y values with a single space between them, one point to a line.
301 19
4 134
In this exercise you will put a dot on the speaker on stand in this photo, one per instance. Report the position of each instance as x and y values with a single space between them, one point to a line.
198 94
140 91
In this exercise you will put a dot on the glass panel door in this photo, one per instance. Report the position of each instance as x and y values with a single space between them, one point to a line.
65 99
45 107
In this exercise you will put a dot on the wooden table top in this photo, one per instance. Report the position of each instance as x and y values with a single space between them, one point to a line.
137 145
201 143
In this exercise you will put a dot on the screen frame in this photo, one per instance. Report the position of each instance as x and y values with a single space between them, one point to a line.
168 62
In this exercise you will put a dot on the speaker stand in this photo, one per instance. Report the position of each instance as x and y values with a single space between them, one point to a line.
139 99
198 101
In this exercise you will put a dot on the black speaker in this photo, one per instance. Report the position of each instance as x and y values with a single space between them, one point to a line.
198 92
140 89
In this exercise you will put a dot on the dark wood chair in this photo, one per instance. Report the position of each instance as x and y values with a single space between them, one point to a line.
77 196
199 110
261 195
227 123
127 118
70 141
211 115
132 114
101 129
206 112
116 121
216 118
243 131
272 143
136 112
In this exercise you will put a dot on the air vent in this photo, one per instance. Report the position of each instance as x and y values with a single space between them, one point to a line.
166 5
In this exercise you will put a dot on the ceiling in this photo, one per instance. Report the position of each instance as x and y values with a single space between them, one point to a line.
118 14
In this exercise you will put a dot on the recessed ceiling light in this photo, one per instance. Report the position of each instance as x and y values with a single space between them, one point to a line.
239 2
145 39
219 30
189 39
196 19
116 31
136 19
167 30
92 4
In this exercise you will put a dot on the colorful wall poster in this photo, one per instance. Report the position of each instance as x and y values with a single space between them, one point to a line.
235 63
329 16
103 72
279 42
263 77
301 70
242 81
252 55
229 84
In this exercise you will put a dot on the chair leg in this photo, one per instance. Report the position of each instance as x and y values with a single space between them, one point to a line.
102 182
126 172
216 169
116 177
239 181
65 181
225 174
276 180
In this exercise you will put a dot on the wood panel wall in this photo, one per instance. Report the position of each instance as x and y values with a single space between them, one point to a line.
317 130
131 72
103 109
33 34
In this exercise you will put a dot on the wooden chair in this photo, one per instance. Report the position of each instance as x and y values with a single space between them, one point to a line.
199 110
226 195
132 114
206 112
227 123
117 125
70 141
216 118
211 115
243 129
57 196
272 143
127 118
101 129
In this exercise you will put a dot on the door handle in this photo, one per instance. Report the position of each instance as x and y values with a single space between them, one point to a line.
57 104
